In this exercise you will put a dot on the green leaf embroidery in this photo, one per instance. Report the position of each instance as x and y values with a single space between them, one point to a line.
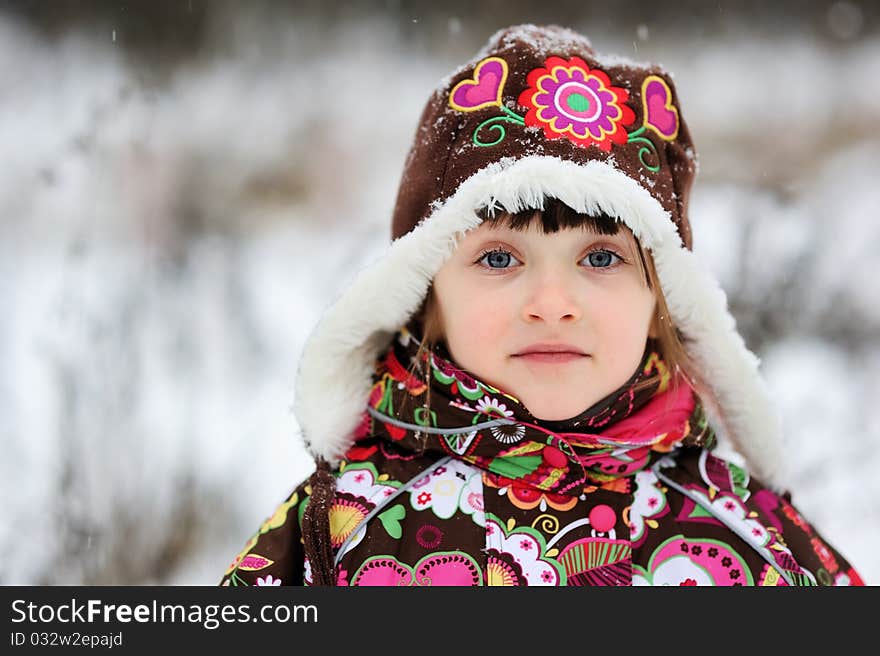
391 520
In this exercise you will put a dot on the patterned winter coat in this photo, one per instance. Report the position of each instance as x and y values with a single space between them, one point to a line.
505 501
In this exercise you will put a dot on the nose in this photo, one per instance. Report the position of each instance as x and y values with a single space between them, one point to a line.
551 298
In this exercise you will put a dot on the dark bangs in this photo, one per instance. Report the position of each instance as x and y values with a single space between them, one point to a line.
555 216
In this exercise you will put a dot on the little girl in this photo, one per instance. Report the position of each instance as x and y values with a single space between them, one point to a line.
538 384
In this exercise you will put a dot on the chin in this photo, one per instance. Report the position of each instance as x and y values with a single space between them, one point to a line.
552 412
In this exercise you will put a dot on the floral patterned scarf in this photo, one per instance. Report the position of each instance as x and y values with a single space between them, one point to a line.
428 403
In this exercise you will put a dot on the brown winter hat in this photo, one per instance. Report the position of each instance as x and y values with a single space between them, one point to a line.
544 91
538 114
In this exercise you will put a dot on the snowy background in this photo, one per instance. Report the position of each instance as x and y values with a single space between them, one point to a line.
182 194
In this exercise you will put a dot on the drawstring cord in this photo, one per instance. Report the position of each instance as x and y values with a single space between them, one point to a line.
316 525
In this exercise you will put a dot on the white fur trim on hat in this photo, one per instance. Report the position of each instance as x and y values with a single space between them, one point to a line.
337 363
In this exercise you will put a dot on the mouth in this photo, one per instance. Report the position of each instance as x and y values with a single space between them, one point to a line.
550 357
550 353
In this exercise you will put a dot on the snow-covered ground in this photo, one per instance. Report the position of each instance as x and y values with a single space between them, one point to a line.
166 246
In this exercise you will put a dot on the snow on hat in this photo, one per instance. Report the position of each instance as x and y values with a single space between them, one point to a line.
535 114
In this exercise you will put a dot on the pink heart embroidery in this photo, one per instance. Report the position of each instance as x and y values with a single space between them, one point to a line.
483 90
448 569
660 113
381 571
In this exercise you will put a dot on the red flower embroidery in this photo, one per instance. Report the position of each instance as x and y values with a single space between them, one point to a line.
568 99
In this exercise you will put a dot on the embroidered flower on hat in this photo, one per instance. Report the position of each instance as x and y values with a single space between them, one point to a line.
566 99
570 100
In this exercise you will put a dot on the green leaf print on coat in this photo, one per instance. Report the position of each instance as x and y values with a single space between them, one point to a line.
740 479
518 461
514 466
391 520
698 512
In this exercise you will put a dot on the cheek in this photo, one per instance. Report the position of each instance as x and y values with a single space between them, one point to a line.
625 314
473 319
481 319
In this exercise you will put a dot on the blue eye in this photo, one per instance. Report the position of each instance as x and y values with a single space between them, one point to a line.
603 259
500 259
497 258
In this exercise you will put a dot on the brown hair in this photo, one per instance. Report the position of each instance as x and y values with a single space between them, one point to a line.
557 215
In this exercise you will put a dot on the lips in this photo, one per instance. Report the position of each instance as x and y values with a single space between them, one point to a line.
551 357
550 353
546 348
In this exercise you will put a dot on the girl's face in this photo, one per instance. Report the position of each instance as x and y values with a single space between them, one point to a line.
504 291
